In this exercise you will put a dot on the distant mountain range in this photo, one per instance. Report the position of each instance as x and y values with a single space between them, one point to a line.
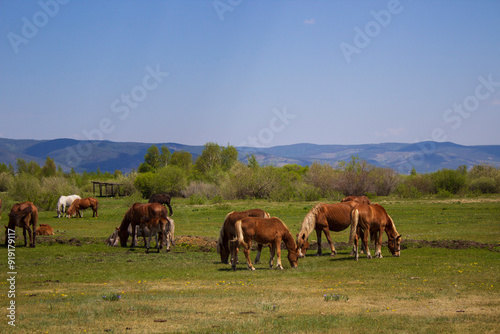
110 156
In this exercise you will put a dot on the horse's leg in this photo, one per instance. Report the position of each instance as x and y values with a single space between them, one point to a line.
134 235
330 242
157 244
277 245
246 251
355 246
25 241
234 253
318 237
366 234
272 250
259 250
378 244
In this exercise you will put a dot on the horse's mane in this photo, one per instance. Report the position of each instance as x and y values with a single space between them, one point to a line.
391 227
309 221
222 232
288 239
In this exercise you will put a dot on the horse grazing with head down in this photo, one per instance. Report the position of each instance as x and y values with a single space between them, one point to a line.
23 215
358 199
325 218
228 233
63 202
373 220
266 231
82 204
133 218
162 199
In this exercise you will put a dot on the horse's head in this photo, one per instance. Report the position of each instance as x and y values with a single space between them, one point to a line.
114 238
394 244
293 258
302 244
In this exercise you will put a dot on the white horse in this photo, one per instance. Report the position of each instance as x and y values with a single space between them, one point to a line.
65 201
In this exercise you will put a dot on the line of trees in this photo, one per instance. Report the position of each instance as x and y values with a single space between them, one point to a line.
217 175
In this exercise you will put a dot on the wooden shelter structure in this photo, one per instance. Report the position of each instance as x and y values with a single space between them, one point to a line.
107 189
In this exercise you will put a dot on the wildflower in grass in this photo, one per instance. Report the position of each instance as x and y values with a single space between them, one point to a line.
113 297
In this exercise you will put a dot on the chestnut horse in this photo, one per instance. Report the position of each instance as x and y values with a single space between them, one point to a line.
325 218
44 229
227 232
158 226
162 199
23 215
373 220
82 204
358 199
133 217
264 231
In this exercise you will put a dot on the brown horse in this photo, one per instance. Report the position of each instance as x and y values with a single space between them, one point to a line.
133 217
23 215
264 231
325 218
358 199
44 229
82 204
158 227
373 220
227 232
162 199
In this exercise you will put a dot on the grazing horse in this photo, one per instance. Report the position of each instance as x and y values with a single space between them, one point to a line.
82 204
158 226
133 217
227 232
358 199
373 220
65 201
264 231
44 229
23 215
162 199
325 218
114 238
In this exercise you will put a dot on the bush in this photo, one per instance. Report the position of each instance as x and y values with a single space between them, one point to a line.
207 190
484 184
6 181
449 180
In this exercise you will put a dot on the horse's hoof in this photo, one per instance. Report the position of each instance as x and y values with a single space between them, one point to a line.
333 254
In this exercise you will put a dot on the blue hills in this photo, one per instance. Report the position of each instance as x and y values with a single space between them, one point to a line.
109 156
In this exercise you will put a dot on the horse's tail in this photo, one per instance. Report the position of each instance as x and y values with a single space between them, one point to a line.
239 234
354 225
170 208
171 230
221 239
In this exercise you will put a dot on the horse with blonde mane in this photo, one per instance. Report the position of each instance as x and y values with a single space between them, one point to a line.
63 202
23 215
82 204
325 218
133 217
266 231
373 220
228 233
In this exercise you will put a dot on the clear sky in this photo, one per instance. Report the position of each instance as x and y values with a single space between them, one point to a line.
251 72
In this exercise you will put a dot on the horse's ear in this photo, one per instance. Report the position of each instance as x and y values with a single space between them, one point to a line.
117 228
399 237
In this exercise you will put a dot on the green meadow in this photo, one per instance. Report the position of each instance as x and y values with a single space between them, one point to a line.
447 279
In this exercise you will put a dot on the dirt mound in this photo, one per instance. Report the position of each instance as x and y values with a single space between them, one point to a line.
204 244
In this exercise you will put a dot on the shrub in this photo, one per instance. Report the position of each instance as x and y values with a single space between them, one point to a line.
449 180
484 184
6 181
207 190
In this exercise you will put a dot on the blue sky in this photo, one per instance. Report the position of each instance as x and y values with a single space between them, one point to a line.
255 73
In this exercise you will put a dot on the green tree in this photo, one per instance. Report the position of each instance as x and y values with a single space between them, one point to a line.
165 155
49 169
182 159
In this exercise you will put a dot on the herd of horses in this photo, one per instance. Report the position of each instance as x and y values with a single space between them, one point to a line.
239 229
364 218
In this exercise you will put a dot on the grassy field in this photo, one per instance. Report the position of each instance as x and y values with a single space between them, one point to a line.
446 280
